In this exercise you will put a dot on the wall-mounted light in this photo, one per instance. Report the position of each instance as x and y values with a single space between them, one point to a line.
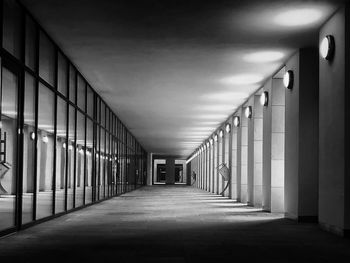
208 144
211 140
327 47
228 127
288 79
32 136
64 145
81 151
221 133
248 112
45 139
215 137
70 147
236 121
264 98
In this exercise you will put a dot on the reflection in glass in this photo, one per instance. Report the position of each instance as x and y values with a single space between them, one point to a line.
46 59
88 173
79 160
8 132
62 74
28 149
12 27
30 50
45 146
71 157
61 149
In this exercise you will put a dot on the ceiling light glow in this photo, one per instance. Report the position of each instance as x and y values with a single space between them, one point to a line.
298 17
263 57
243 79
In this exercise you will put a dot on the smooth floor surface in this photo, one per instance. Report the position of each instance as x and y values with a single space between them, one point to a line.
173 224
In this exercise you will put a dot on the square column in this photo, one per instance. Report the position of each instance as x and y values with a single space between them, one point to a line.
236 159
258 148
301 137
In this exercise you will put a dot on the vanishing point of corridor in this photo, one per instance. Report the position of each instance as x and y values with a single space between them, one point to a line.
173 224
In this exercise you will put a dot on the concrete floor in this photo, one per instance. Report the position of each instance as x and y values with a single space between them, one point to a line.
173 224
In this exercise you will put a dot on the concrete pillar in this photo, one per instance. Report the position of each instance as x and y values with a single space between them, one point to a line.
250 155
258 145
273 147
228 157
334 182
244 158
220 161
301 137
188 173
216 175
236 159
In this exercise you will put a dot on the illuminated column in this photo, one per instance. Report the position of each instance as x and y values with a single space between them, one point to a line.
258 148
236 156
228 155
216 174
244 157
220 159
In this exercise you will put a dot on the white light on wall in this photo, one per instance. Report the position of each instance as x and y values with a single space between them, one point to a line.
208 144
264 98
216 137
327 47
228 128
221 133
288 79
236 121
248 112
64 145
81 151
70 147
211 140
45 139
298 17
32 136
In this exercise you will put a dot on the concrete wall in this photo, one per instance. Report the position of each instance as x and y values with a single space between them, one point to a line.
333 127
301 137
170 171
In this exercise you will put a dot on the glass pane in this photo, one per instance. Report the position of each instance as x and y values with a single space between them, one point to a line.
90 101
46 59
88 175
72 83
79 159
61 149
28 148
103 114
81 93
71 146
45 148
30 51
102 163
62 75
12 28
8 132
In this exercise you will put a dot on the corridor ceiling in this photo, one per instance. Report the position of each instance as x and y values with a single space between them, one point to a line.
174 70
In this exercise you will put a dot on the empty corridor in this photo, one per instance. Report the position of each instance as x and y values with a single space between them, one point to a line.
173 224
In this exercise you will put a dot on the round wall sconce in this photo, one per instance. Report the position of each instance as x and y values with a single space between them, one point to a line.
216 137
64 145
45 139
248 112
288 79
32 136
208 145
221 133
236 121
264 98
327 47
228 128
211 140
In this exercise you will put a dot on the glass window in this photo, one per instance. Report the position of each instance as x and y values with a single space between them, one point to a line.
45 146
90 101
72 83
12 28
62 75
102 163
88 175
46 59
30 49
103 114
81 93
79 160
61 155
71 158
8 132
28 148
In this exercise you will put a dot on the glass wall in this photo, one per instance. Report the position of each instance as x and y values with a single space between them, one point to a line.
61 146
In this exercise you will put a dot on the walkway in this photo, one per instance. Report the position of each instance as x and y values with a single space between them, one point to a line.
173 224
